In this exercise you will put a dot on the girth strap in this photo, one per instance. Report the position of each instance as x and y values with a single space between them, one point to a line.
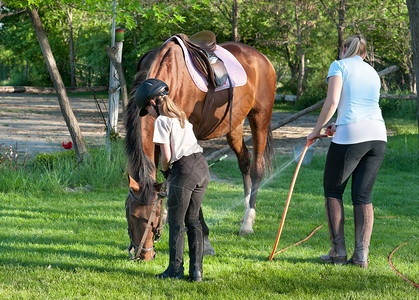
208 103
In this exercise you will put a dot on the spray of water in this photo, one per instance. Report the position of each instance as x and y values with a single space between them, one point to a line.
239 200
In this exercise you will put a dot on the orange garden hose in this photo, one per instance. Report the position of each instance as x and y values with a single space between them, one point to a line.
394 269
290 193
296 244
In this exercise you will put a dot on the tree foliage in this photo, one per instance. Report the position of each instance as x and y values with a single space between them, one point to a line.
308 45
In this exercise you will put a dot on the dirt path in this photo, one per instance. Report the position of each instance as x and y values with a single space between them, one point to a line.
34 123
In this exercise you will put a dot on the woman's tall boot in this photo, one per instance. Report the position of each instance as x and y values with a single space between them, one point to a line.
335 221
364 220
176 248
196 251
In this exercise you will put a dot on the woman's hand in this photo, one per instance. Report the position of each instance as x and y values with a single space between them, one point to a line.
315 134
331 129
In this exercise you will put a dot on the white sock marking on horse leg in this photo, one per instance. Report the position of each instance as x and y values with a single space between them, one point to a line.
164 216
246 201
248 220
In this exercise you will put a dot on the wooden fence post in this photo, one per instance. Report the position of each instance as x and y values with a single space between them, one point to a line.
114 85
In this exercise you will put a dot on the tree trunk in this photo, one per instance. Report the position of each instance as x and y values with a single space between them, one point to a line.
293 67
71 42
66 110
412 79
340 23
341 26
413 8
26 71
300 53
301 76
384 84
235 22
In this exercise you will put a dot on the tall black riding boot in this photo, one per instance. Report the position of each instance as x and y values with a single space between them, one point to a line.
196 251
176 247
335 220
363 219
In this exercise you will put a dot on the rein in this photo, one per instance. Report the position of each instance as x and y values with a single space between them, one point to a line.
138 249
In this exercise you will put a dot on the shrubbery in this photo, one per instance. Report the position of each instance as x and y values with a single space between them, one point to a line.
49 160
57 171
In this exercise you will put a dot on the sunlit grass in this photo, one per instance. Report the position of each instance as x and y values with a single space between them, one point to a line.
57 243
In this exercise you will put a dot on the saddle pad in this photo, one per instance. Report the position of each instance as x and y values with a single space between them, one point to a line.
234 69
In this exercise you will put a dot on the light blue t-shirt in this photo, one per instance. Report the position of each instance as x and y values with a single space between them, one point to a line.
360 90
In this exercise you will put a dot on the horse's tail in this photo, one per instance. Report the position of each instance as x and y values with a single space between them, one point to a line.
269 154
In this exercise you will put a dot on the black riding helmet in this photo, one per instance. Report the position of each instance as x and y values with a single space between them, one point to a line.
147 90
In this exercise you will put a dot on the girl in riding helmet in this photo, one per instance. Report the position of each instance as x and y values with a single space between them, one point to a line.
183 163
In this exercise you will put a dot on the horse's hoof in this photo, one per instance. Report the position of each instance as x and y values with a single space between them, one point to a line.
249 219
208 249
246 231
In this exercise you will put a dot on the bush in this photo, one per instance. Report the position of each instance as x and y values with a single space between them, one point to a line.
402 153
57 171
405 109
311 97
49 160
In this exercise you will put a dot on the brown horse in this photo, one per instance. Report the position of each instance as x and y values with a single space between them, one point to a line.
254 100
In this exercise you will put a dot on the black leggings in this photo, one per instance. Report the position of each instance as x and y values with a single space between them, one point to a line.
362 161
188 183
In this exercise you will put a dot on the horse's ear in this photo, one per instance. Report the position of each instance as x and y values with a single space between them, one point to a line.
158 186
133 184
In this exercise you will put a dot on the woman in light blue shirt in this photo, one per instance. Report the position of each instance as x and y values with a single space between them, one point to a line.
357 149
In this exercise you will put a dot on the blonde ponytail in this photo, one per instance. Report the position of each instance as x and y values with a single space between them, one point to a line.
355 45
170 109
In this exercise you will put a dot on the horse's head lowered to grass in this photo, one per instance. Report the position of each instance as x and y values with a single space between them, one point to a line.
144 220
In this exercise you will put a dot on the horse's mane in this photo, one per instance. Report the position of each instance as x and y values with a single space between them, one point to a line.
140 166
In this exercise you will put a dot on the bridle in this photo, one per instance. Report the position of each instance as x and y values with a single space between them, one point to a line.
138 249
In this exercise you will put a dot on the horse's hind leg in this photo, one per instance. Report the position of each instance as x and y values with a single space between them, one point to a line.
236 143
259 125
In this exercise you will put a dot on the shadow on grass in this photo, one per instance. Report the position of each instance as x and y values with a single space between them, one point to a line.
48 253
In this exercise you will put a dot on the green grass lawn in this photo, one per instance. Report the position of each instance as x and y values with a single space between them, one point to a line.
60 244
